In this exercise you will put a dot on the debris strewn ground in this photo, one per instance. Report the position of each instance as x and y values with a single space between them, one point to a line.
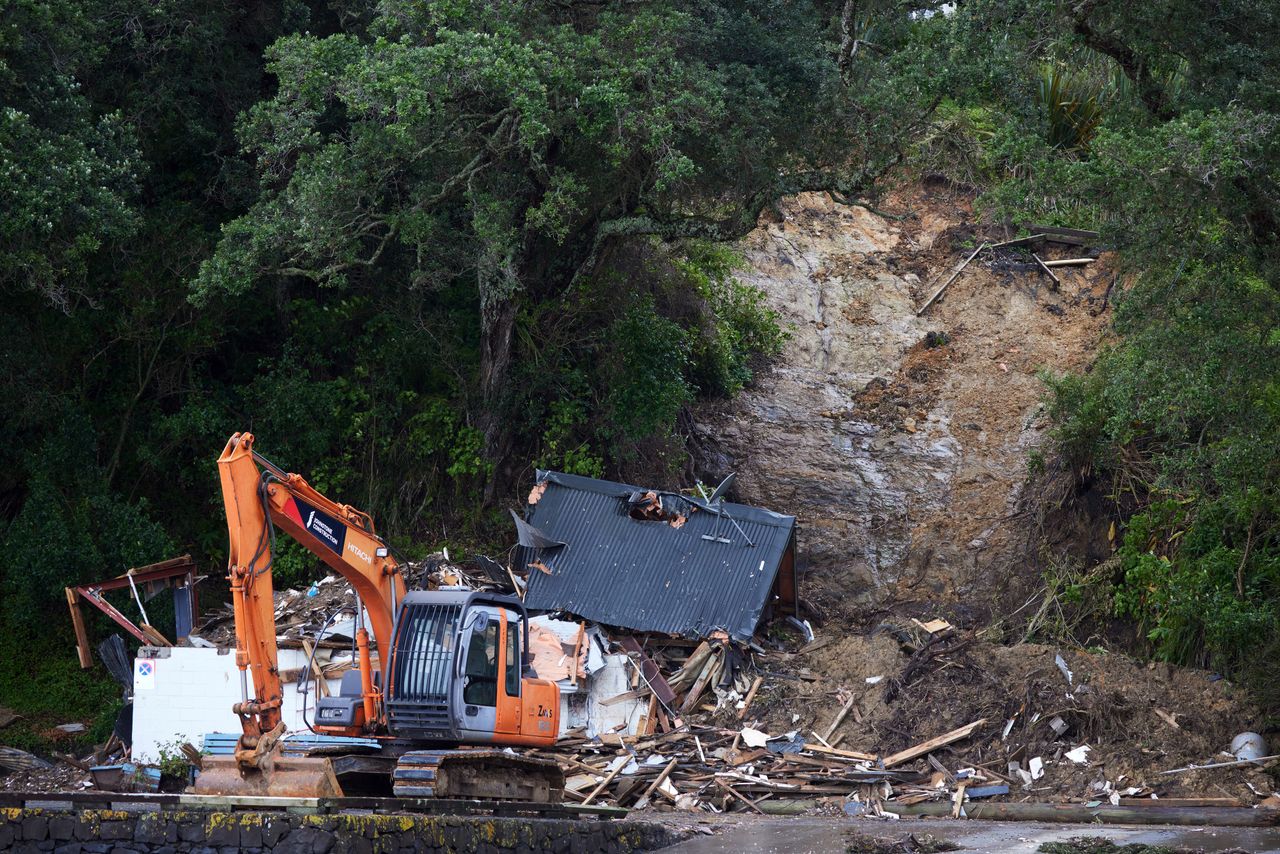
916 713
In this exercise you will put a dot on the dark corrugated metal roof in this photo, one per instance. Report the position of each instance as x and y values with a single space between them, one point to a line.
648 575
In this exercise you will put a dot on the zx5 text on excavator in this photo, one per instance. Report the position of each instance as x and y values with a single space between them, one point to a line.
443 685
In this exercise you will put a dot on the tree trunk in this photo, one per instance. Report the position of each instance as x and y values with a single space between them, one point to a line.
498 321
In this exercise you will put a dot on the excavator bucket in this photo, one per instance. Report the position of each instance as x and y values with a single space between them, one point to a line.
286 777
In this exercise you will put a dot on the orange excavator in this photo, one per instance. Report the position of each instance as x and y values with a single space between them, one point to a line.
451 686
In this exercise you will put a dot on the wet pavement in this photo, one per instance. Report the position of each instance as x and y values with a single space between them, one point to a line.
820 835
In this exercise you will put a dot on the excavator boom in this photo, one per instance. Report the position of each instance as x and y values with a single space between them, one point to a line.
257 495
452 668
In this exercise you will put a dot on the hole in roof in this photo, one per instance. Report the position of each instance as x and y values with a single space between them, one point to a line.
651 506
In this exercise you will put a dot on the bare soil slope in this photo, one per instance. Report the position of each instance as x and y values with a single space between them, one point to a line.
900 441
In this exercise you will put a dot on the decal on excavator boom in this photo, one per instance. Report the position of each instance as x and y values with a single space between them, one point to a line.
319 524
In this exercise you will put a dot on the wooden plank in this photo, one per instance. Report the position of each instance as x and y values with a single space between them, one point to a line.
653 787
577 650
153 635
709 670
843 754
1019 241
1056 281
638 694
932 744
732 791
950 279
933 627
1180 802
816 645
96 600
650 717
1060 231
839 719
618 764
1257 761
649 668
322 685
82 634
751 695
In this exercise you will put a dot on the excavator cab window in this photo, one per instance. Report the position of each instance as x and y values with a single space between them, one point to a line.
481 688
513 658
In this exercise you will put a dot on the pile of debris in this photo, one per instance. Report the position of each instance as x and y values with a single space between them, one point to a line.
102 767
703 742
303 614
696 746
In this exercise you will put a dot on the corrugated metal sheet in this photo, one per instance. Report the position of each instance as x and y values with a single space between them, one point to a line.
648 575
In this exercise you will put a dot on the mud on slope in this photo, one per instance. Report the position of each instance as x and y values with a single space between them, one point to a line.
900 442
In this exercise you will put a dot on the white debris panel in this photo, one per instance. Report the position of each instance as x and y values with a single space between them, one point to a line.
182 693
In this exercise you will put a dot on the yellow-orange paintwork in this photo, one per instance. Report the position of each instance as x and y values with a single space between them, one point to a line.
532 718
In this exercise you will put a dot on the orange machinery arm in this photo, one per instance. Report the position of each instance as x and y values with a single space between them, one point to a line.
256 494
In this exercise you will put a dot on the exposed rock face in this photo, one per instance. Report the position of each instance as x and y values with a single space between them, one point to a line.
900 442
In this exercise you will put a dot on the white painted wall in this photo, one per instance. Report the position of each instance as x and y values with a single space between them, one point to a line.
610 681
191 692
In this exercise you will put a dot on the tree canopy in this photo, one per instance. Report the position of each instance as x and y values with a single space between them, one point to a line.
422 247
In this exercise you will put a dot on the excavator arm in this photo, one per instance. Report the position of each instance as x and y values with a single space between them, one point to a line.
257 494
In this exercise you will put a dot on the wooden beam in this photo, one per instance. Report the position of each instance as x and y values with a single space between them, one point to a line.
638 694
724 785
751 695
82 634
650 670
653 787
619 763
1069 262
577 650
1056 281
709 671
322 685
650 717
1018 241
932 744
153 636
843 754
1059 231
950 279
96 600
839 718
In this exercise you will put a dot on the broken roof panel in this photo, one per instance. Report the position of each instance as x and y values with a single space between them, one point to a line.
651 560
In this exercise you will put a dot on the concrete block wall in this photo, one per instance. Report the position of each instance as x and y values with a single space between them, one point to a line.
190 691
105 831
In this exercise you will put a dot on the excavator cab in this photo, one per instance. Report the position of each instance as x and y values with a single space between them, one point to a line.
460 673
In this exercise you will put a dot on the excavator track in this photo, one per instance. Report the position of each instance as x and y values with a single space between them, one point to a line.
477 774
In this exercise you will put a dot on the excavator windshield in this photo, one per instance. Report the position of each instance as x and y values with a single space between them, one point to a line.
424 651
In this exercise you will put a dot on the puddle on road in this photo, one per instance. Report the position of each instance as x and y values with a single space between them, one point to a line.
825 836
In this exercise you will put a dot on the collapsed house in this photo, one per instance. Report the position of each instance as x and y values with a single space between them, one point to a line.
653 561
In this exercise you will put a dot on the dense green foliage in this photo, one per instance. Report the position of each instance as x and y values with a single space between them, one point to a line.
417 248
420 248
1162 134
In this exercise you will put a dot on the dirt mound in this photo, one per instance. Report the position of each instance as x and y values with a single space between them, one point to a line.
1137 719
